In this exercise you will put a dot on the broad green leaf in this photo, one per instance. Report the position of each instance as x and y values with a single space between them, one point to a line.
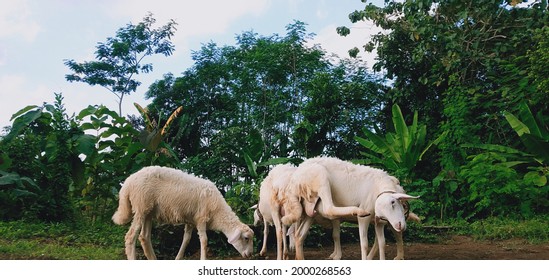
252 168
21 122
9 178
538 147
519 127
85 144
22 111
527 118
400 127
535 178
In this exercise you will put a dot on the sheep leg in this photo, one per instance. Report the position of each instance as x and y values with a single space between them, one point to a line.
373 251
263 251
201 228
302 229
399 244
281 251
145 238
131 237
336 235
331 211
363 224
380 237
285 254
187 234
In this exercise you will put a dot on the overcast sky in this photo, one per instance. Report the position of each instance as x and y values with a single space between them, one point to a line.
36 36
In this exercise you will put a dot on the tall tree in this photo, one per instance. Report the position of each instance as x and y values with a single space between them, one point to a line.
274 89
452 60
120 59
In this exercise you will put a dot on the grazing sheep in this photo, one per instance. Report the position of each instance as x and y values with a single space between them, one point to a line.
269 199
171 196
346 190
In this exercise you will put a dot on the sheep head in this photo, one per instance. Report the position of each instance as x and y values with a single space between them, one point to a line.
242 239
389 207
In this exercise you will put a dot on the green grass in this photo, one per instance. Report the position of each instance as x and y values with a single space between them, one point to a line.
535 230
25 240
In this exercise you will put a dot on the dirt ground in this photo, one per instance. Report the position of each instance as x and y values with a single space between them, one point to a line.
444 246
454 248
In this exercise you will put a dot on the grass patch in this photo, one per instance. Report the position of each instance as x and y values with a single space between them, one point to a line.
36 240
534 230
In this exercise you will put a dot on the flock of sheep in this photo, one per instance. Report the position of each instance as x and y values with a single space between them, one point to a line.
323 190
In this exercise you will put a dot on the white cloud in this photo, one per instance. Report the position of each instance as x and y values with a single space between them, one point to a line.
3 55
193 17
322 10
16 20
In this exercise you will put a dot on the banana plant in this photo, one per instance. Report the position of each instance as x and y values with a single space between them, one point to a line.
534 134
153 135
397 151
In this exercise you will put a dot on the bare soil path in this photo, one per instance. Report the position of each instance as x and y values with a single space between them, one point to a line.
454 248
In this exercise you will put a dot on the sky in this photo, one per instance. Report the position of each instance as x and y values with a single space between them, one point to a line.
36 36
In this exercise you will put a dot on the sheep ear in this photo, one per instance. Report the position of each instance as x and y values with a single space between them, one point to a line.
234 237
253 206
291 230
404 197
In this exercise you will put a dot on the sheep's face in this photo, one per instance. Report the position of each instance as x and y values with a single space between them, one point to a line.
389 207
242 240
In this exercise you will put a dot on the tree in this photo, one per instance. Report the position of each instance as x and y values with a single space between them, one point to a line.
53 162
120 59
267 97
452 59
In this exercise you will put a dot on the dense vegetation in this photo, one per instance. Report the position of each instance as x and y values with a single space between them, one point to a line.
455 107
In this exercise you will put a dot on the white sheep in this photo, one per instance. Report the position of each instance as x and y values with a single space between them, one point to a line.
268 210
335 225
269 207
346 190
270 203
171 196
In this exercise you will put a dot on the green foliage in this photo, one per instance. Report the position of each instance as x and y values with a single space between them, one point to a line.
120 58
241 197
153 137
494 187
461 64
533 132
116 154
397 151
76 162
16 193
55 143
506 175
263 100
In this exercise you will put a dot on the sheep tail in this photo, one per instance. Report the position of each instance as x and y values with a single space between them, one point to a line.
124 213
